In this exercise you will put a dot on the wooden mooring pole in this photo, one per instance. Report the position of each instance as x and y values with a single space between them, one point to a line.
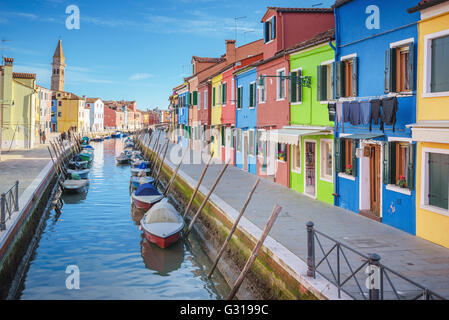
167 189
206 199
198 185
162 163
234 227
274 214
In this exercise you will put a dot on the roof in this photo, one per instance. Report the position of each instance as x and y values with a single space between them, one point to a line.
58 51
339 3
8 60
22 75
318 39
92 100
206 59
424 4
298 10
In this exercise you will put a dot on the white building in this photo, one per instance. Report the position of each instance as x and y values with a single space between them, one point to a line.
96 108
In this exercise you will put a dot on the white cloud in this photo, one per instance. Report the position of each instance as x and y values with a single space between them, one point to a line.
140 76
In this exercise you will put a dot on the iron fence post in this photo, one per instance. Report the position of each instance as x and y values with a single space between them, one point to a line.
374 290
16 202
310 250
3 212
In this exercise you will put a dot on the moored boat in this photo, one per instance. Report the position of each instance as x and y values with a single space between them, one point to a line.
146 196
136 182
83 173
162 224
76 184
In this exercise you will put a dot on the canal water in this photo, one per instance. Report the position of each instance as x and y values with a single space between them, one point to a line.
98 233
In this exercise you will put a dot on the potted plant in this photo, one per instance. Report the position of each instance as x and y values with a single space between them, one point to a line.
402 182
349 169
281 156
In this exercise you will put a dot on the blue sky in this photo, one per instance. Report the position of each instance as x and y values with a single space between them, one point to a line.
133 50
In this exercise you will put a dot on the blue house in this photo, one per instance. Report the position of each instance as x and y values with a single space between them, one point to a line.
183 117
373 84
246 119
54 114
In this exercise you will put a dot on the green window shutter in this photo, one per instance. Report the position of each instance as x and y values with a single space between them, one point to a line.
195 98
337 148
293 86
354 158
411 66
299 93
251 93
265 32
223 95
238 98
213 97
189 99
438 180
321 83
389 163
241 97
411 167
254 94
440 67
273 30
387 84
340 79
334 82
355 77
223 137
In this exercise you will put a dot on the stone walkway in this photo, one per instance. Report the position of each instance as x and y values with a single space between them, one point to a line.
422 261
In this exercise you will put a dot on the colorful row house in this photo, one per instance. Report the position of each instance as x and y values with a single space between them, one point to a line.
431 131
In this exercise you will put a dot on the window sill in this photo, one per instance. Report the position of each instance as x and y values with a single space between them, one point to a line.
327 179
435 209
296 103
435 94
280 99
346 176
296 171
262 102
395 188
281 161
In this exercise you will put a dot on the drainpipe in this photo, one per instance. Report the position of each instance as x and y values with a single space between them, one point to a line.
335 48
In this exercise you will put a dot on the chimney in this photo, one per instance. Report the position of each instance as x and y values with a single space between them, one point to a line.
7 81
230 50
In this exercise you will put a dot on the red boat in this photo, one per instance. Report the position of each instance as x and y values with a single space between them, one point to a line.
146 196
162 224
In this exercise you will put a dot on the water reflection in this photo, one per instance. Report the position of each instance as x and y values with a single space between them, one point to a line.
163 261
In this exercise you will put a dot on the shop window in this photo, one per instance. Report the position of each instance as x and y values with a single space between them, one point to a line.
282 152
296 163
326 160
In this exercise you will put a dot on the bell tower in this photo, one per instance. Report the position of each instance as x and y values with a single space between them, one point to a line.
58 66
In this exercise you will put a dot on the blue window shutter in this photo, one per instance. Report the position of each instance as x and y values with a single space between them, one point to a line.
273 26
355 76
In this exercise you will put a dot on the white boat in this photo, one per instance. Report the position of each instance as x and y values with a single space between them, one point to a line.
162 224
75 185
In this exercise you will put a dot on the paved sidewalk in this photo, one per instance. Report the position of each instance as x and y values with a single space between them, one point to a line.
422 261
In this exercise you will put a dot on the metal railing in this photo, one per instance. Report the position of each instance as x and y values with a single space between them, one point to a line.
360 276
9 204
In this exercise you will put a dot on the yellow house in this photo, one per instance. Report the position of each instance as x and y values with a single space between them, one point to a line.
17 107
217 99
71 112
432 128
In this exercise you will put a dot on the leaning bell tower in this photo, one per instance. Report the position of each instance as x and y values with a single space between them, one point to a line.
58 66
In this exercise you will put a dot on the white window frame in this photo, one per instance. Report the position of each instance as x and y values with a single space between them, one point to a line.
205 100
255 95
232 91
236 105
264 87
427 74
424 202
294 168
299 102
270 30
278 84
224 83
328 63
393 187
330 142
199 100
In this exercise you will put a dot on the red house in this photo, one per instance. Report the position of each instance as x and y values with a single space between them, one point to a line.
283 28
109 118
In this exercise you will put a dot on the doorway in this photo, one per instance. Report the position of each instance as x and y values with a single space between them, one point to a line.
374 174
370 181
310 161
228 144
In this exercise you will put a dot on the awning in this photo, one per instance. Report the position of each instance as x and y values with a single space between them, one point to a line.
363 136
290 136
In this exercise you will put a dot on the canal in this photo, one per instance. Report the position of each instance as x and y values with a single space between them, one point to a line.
98 233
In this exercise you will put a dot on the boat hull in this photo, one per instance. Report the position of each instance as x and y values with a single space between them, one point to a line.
160 241
143 205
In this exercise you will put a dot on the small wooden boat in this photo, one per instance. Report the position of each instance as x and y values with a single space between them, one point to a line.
73 185
136 182
146 196
162 224
78 163
122 158
83 173
136 163
86 156
117 134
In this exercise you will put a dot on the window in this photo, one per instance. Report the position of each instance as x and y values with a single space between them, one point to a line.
205 99
280 84
346 77
282 152
223 95
199 100
59 114
348 156
59 103
262 91
295 88
399 68
296 163
326 160
439 81
324 82
252 141
239 97
269 29
399 164
232 92
252 95
238 140
345 156
213 97
195 98
437 180
220 94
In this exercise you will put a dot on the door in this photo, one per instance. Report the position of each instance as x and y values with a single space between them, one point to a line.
245 150
310 156
228 145
375 179
53 127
